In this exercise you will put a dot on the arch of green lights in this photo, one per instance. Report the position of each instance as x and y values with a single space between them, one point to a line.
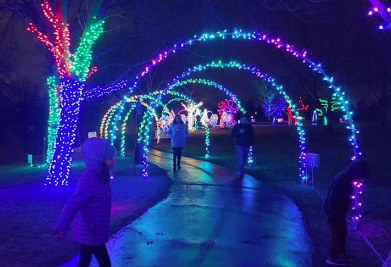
144 136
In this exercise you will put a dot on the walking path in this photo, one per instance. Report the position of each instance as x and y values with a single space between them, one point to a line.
212 219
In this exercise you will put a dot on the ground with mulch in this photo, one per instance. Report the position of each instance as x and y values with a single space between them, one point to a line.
28 210
276 163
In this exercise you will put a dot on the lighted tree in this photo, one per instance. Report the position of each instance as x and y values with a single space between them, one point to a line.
274 106
226 111
191 109
67 89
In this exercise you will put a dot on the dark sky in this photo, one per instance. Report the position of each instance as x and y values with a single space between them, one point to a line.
337 34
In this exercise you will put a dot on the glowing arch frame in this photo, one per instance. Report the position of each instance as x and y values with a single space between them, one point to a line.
104 132
107 117
214 84
151 110
278 43
144 136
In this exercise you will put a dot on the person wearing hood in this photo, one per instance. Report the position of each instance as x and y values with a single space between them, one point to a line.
336 205
90 206
179 133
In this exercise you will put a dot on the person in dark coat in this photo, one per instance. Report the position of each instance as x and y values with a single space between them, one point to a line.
90 205
243 134
337 204
179 133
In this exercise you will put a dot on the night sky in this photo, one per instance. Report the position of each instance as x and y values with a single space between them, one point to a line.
338 34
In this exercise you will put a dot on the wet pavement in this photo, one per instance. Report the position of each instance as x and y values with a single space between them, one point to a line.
210 218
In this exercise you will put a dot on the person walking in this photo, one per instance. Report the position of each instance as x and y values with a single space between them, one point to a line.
90 205
243 134
179 133
336 205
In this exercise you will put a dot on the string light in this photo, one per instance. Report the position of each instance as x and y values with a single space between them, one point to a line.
54 114
214 84
60 165
250 159
123 129
65 98
226 111
83 55
144 138
60 49
99 91
384 12
191 116
214 118
300 55
107 118
357 208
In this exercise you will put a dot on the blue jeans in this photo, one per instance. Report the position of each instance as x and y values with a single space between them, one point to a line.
242 153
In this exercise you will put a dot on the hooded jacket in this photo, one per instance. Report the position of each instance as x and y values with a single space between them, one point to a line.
90 205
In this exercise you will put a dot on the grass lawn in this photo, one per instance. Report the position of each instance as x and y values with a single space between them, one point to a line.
28 210
276 162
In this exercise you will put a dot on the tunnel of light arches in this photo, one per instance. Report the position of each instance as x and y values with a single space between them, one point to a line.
278 44
144 136
207 142
108 116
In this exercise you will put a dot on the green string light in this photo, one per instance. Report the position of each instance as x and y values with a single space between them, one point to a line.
83 55
53 116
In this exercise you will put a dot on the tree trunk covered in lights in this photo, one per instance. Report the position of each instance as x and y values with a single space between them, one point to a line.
60 165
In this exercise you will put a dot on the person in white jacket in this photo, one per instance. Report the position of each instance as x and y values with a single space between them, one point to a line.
179 133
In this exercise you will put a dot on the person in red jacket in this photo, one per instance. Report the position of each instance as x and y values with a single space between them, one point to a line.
336 205
243 134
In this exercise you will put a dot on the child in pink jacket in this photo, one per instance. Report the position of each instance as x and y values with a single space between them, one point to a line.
90 205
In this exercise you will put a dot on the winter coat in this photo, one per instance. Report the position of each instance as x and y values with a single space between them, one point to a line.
243 139
90 205
178 133
338 198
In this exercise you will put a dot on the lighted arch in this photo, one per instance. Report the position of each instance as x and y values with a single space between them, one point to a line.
105 123
277 43
107 119
123 129
144 136
165 106
214 84
144 127
205 82
108 116
177 84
